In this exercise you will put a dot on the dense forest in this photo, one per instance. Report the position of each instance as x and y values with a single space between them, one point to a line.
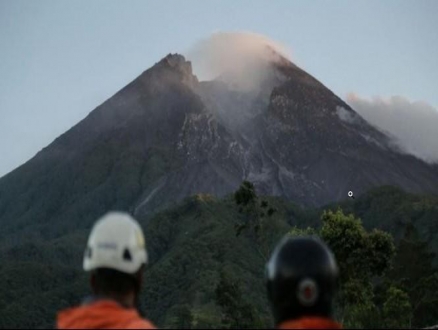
208 255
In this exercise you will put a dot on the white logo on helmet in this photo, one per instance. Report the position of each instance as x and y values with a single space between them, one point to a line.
307 292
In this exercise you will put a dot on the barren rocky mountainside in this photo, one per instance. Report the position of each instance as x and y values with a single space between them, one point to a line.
167 135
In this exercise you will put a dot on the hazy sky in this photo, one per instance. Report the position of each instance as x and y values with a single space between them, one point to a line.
60 59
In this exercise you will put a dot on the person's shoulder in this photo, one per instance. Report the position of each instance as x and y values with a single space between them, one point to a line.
310 323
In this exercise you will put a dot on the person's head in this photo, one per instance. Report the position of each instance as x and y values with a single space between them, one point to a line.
301 279
115 256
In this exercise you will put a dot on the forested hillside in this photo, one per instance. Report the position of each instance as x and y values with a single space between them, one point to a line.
207 259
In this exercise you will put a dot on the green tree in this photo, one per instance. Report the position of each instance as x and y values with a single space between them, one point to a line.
360 254
397 310
295 231
413 271
257 218
361 257
236 311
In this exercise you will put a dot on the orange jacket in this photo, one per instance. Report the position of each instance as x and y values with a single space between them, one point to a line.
310 323
103 314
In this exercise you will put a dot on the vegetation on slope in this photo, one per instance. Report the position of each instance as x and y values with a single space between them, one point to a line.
206 273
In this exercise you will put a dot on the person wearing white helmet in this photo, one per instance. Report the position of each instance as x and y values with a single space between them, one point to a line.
115 256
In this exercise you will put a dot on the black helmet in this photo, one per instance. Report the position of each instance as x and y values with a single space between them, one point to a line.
301 279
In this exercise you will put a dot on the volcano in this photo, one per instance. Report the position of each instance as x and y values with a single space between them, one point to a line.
167 135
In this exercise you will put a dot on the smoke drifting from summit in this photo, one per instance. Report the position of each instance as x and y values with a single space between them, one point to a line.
413 124
237 57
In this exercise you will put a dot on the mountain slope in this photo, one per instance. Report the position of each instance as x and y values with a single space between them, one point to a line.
301 141
166 136
145 138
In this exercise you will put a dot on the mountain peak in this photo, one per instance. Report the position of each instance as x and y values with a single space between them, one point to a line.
176 60
177 64
277 58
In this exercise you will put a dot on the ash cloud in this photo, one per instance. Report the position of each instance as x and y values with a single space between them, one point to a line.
414 125
238 58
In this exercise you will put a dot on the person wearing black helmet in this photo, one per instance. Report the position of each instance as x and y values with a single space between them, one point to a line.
301 281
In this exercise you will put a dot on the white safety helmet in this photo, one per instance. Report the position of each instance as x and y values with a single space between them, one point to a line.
117 242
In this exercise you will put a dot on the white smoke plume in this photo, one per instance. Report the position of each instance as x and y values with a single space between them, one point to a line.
235 57
413 124
346 115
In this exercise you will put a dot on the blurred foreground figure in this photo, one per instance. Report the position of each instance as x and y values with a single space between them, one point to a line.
301 282
115 256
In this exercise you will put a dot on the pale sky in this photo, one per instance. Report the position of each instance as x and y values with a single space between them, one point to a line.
61 59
